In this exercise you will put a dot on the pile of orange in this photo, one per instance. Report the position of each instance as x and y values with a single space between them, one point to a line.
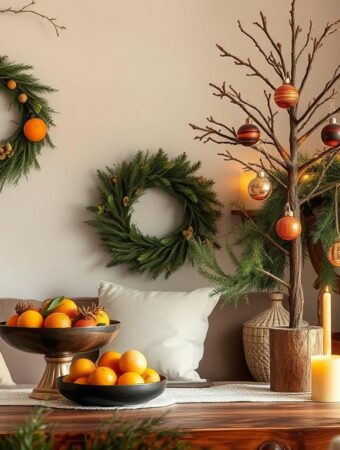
113 368
59 312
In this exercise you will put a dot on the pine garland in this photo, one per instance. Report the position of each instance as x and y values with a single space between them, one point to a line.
122 186
262 250
24 152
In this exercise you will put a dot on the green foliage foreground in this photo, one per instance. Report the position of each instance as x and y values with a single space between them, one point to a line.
37 434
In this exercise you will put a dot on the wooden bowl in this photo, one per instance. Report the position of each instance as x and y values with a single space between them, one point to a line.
89 395
59 345
59 341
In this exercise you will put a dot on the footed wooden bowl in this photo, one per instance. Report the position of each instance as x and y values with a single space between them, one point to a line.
59 345
90 395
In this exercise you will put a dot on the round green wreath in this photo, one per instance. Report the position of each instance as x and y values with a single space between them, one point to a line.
17 153
121 187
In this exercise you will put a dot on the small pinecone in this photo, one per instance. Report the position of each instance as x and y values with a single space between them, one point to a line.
95 309
84 312
21 307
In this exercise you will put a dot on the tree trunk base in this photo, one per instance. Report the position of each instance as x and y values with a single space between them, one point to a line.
290 357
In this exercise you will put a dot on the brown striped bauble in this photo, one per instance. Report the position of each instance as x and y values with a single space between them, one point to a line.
330 134
248 134
286 96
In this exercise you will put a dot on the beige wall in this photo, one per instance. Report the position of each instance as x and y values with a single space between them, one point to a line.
131 75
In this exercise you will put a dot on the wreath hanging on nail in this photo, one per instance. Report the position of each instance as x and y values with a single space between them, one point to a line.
120 189
18 153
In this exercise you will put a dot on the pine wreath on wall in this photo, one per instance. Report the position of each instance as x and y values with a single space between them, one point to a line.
122 186
18 153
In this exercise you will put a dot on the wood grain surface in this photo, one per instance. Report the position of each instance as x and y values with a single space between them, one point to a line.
234 426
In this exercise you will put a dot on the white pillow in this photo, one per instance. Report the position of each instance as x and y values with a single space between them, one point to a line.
168 327
5 376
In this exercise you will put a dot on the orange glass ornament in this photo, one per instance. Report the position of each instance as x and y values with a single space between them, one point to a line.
286 95
288 227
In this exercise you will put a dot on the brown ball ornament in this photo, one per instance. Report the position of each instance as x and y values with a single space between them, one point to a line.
260 187
333 254
22 98
288 227
11 85
330 134
248 134
286 96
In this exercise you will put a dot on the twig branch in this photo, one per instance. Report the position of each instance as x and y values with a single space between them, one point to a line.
239 62
283 250
229 157
25 9
308 36
274 277
310 195
322 191
303 167
277 46
331 96
330 28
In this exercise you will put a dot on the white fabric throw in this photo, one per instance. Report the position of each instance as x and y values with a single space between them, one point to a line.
226 393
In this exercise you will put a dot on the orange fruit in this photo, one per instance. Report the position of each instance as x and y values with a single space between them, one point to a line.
81 367
103 376
85 323
102 318
30 319
133 361
22 98
13 321
57 320
11 85
68 307
67 379
151 376
110 359
35 129
82 380
130 378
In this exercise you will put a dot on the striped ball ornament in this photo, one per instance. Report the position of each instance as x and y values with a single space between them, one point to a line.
248 134
286 96
330 134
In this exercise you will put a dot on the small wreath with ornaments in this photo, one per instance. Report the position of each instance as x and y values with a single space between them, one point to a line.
18 153
120 189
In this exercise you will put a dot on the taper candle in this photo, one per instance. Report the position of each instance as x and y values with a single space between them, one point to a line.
327 322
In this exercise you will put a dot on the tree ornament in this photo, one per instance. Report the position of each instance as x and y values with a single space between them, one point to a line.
260 187
248 134
35 130
288 227
333 254
11 85
330 133
22 98
121 237
286 95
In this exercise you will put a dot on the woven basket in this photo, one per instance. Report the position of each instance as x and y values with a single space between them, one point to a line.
256 337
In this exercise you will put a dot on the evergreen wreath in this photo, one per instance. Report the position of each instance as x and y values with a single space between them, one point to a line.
122 186
19 152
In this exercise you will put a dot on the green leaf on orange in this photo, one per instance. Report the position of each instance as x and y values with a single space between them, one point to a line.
51 306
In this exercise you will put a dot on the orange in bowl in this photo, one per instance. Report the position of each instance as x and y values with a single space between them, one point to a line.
133 361
57 320
81 367
81 380
110 359
103 376
130 378
68 307
151 376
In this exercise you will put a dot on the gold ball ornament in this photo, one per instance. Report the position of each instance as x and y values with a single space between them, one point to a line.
260 187
333 254
22 98
11 85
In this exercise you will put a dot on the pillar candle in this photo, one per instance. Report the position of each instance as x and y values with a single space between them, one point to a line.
325 378
327 321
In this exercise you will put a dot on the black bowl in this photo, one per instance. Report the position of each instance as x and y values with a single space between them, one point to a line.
59 341
89 395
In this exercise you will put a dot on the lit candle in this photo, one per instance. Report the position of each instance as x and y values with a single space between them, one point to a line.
326 322
326 367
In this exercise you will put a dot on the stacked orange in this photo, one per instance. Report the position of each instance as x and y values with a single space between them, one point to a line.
59 312
113 368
